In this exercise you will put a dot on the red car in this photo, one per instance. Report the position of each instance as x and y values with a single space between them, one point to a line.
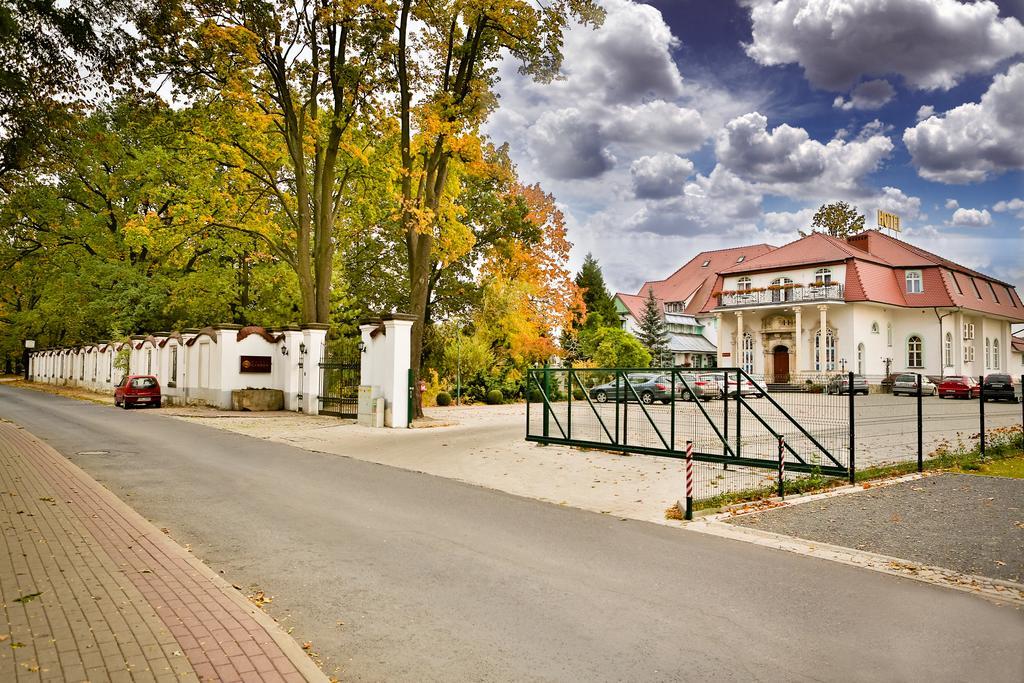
959 387
137 390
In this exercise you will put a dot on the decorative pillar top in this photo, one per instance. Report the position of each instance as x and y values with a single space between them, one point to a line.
822 307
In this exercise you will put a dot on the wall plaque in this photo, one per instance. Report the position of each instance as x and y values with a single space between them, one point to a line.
255 364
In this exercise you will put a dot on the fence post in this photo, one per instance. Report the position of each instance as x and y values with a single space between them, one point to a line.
920 425
615 400
739 406
782 467
689 480
412 384
529 376
546 398
725 417
672 417
853 432
981 413
568 398
625 408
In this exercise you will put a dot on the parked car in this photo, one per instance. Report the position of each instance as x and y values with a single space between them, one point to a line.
137 390
907 384
999 387
648 386
959 387
746 387
703 389
840 384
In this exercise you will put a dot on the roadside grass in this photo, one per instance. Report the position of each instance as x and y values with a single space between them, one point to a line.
1004 456
67 392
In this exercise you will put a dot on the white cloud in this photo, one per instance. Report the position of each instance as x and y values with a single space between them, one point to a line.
658 124
931 43
660 176
971 218
925 111
976 139
1016 204
952 204
786 160
566 145
868 95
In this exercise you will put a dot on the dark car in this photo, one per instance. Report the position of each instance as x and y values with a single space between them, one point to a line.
959 386
137 390
999 387
649 387
840 384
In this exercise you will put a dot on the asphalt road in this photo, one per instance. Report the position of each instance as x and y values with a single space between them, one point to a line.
437 580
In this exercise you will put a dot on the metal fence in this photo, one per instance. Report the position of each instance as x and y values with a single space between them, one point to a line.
738 425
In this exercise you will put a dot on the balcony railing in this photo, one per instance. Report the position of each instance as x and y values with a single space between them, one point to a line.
833 292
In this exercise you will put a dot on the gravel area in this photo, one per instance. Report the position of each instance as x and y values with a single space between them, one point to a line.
968 523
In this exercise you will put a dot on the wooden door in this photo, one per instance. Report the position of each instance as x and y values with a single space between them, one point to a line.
780 363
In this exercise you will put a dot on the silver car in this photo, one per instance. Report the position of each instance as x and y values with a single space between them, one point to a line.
907 384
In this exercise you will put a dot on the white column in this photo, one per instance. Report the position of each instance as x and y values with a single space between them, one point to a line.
314 336
719 338
797 341
291 380
398 330
824 333
737 359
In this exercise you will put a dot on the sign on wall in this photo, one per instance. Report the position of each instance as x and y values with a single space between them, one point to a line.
255 364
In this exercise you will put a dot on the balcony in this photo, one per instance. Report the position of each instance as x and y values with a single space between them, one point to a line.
775 297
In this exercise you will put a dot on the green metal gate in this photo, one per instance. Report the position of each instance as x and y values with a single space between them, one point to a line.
609 409
339 379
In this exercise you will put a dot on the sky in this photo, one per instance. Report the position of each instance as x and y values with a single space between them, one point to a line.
686 125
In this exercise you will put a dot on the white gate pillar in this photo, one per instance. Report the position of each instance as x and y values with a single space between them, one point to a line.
314 337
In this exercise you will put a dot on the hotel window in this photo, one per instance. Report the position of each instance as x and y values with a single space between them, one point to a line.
860 359
743 284
994 295
874 327
915 352
988 353
783 291
830 351
888 334
748 353
995 354
976 290
949 349
823 276
740 259
969 353
705 264
914 282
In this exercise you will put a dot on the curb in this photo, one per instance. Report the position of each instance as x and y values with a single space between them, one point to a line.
289 647
998 590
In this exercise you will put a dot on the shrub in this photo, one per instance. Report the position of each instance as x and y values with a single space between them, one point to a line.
443 399
494 397
578 394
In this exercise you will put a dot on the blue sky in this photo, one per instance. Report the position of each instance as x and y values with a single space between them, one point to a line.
683 125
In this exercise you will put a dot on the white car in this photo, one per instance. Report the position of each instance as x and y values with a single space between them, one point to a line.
746 387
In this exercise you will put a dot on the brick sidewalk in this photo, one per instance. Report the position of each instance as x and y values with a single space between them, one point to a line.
91 591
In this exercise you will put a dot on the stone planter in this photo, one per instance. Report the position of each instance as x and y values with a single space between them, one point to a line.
257 399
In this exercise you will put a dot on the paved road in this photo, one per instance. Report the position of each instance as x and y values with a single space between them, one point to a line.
437 580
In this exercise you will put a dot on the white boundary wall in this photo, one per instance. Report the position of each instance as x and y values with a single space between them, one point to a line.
197 366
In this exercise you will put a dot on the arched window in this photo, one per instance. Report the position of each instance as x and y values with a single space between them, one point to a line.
823 276
748 353
830 351
782 291
915 352
874 327
743 284
888 333
914 282
995 354
949 349
988 353
860 359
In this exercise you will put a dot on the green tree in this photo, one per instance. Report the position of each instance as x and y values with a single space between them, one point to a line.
596 298
838 219
615 348
653 332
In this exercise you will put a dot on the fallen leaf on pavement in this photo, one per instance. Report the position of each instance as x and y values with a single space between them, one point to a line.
27 598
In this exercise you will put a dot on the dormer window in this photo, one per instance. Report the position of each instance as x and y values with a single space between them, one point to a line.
743 284
740 259
823 276
914 282
706 264
993 290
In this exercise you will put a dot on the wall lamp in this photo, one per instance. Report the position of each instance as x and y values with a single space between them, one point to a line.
361 346
302 348
284 350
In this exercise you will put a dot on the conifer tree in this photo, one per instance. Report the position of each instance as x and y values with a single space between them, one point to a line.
595 295
653 332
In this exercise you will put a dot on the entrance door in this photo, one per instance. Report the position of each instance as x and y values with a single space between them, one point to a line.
780 364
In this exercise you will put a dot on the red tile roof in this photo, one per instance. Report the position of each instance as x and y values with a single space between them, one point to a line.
695 281
635 304
816 248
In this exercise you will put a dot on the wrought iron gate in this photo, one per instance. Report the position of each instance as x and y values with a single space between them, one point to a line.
339 379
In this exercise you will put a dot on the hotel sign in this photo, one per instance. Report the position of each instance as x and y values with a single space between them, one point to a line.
255 364
889 220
